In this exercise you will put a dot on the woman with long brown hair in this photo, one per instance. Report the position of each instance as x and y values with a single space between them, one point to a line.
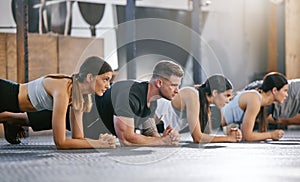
57 93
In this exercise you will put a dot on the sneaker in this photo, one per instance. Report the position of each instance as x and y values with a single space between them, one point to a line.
13 133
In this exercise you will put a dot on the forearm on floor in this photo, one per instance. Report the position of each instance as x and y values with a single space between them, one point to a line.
140 140
257 136
206 138
77 144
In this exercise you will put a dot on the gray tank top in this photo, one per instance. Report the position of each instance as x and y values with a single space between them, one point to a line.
38 96
291 106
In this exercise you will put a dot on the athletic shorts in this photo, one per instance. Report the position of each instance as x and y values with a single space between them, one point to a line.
9 96
42 120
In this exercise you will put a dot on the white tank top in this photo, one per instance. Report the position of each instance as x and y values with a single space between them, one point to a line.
170 115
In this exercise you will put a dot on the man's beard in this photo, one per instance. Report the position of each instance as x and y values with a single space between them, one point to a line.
164 96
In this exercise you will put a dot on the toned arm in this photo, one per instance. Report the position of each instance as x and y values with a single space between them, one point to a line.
252 105
125 131
58 90
191 102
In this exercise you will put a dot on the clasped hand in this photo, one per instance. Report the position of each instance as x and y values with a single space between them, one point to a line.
171 136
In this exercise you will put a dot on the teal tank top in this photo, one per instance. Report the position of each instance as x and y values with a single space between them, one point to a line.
232 112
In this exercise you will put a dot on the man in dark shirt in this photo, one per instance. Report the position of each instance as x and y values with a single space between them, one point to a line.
129 104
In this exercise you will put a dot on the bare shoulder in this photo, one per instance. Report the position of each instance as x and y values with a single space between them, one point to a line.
189 99
250 96
249 99
188 92
52 85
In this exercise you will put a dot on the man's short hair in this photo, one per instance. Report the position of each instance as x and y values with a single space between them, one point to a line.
166 69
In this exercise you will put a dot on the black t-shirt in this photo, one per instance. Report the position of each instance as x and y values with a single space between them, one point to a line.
127 99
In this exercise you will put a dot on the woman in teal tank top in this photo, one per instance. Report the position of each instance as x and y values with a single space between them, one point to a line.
251 105
287 113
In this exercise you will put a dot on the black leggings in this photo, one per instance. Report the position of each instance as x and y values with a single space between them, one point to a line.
42 120
9 96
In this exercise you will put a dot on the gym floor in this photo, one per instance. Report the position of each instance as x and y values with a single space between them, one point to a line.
37 159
